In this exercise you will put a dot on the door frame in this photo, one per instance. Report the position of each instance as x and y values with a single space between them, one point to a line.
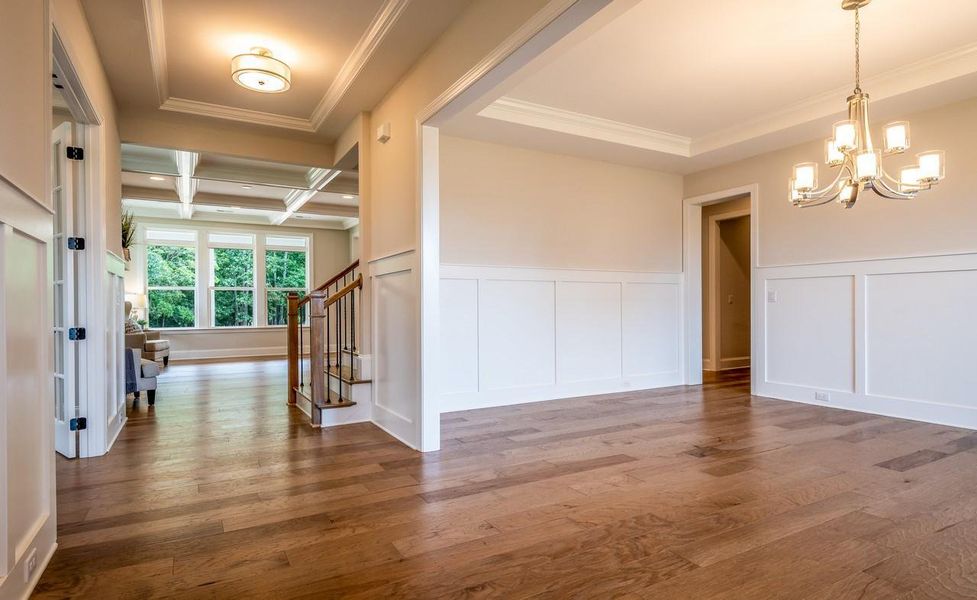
91 293
692 280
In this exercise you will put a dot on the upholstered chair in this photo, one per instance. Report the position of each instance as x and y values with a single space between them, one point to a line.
147 341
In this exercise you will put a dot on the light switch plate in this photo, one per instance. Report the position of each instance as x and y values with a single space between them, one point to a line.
771 296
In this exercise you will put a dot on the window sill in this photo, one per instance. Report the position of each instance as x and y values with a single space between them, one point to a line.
187 330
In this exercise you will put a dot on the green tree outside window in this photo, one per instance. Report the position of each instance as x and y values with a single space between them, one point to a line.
171 274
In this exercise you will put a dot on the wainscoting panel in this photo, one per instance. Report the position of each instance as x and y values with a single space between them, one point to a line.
652 328
920 337
588 331
396 399
890 337
459 335
809 332
511 335
516 327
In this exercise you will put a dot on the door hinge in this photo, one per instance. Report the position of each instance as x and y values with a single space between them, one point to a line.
77 424
75 153
76 334
76 243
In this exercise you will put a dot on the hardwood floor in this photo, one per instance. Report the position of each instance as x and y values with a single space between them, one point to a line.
702 492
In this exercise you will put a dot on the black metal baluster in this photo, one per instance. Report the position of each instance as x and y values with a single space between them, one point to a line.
301 354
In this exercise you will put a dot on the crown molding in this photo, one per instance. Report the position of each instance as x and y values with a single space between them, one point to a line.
378 29
153 12
219 111
522 112
907 78
381 25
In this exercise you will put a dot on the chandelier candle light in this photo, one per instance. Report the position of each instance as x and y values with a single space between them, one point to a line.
859 164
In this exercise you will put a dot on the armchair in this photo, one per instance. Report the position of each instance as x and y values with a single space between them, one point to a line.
148 342
141 375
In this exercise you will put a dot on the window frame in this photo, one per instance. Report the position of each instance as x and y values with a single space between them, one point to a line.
282 248
212 288
203 288
173 243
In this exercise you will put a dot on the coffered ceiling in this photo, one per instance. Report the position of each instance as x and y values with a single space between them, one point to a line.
164 183
687 85
174 55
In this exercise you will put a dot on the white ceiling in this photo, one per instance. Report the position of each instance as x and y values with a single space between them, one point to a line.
158 182
684 85
174 55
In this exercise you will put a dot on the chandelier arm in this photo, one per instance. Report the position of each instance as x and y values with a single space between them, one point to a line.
818 201
830 188
888 192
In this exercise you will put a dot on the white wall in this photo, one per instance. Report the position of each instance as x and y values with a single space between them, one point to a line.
872 306
560 276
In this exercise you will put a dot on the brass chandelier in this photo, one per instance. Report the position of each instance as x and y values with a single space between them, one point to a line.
858 162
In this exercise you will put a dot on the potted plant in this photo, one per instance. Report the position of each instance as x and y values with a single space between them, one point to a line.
128 234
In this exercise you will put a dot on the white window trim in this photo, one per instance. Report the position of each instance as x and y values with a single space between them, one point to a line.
203 286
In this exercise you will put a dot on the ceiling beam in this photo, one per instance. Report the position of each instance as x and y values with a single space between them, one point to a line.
186 186
296 199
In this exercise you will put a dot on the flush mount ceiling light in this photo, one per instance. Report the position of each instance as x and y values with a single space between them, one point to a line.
157 178
860 163
261 72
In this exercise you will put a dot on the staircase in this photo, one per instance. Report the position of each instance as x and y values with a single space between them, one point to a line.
327 380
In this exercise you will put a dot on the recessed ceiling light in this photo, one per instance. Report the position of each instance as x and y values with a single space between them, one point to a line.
260 72
157 178
247 187
235 208
348 197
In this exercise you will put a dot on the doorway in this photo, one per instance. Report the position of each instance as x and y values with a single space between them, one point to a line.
698 217
726 288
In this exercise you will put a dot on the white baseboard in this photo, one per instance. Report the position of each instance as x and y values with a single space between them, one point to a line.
901 408
736 362
523 395
260 351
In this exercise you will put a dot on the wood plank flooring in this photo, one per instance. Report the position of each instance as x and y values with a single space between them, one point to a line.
221 491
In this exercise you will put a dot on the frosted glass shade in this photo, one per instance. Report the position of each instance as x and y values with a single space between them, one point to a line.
932 166
867 165
845 135
909 178
896 137
260 72
805 177
832 156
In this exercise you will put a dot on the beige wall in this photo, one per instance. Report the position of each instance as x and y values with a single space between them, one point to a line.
509 206
23 116
935 223
392 227
70 22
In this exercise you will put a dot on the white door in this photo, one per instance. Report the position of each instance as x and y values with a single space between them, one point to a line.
65 350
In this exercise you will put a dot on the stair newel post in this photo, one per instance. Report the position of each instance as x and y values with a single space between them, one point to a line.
317 349
352 321
339 347
293 345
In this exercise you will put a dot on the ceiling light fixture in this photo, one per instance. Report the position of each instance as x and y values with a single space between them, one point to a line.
157 178
247 187
261 72
860 163
348 197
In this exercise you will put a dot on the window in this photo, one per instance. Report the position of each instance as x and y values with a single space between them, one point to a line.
198 276
232 279
171 278
286 270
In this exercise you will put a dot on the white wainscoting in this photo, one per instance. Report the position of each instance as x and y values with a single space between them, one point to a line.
891 337
396 361
511 335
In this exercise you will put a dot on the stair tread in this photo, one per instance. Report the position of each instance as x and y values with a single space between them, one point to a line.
348 374
306 392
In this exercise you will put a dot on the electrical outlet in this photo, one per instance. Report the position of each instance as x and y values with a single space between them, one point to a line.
771 296
822 396
30 565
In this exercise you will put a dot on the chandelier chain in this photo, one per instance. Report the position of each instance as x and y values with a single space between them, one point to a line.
858 65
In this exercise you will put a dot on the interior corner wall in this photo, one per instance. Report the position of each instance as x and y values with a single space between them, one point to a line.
871 308
390 225
560 276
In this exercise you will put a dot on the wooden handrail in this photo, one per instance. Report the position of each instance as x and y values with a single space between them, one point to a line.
356 283
332 280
